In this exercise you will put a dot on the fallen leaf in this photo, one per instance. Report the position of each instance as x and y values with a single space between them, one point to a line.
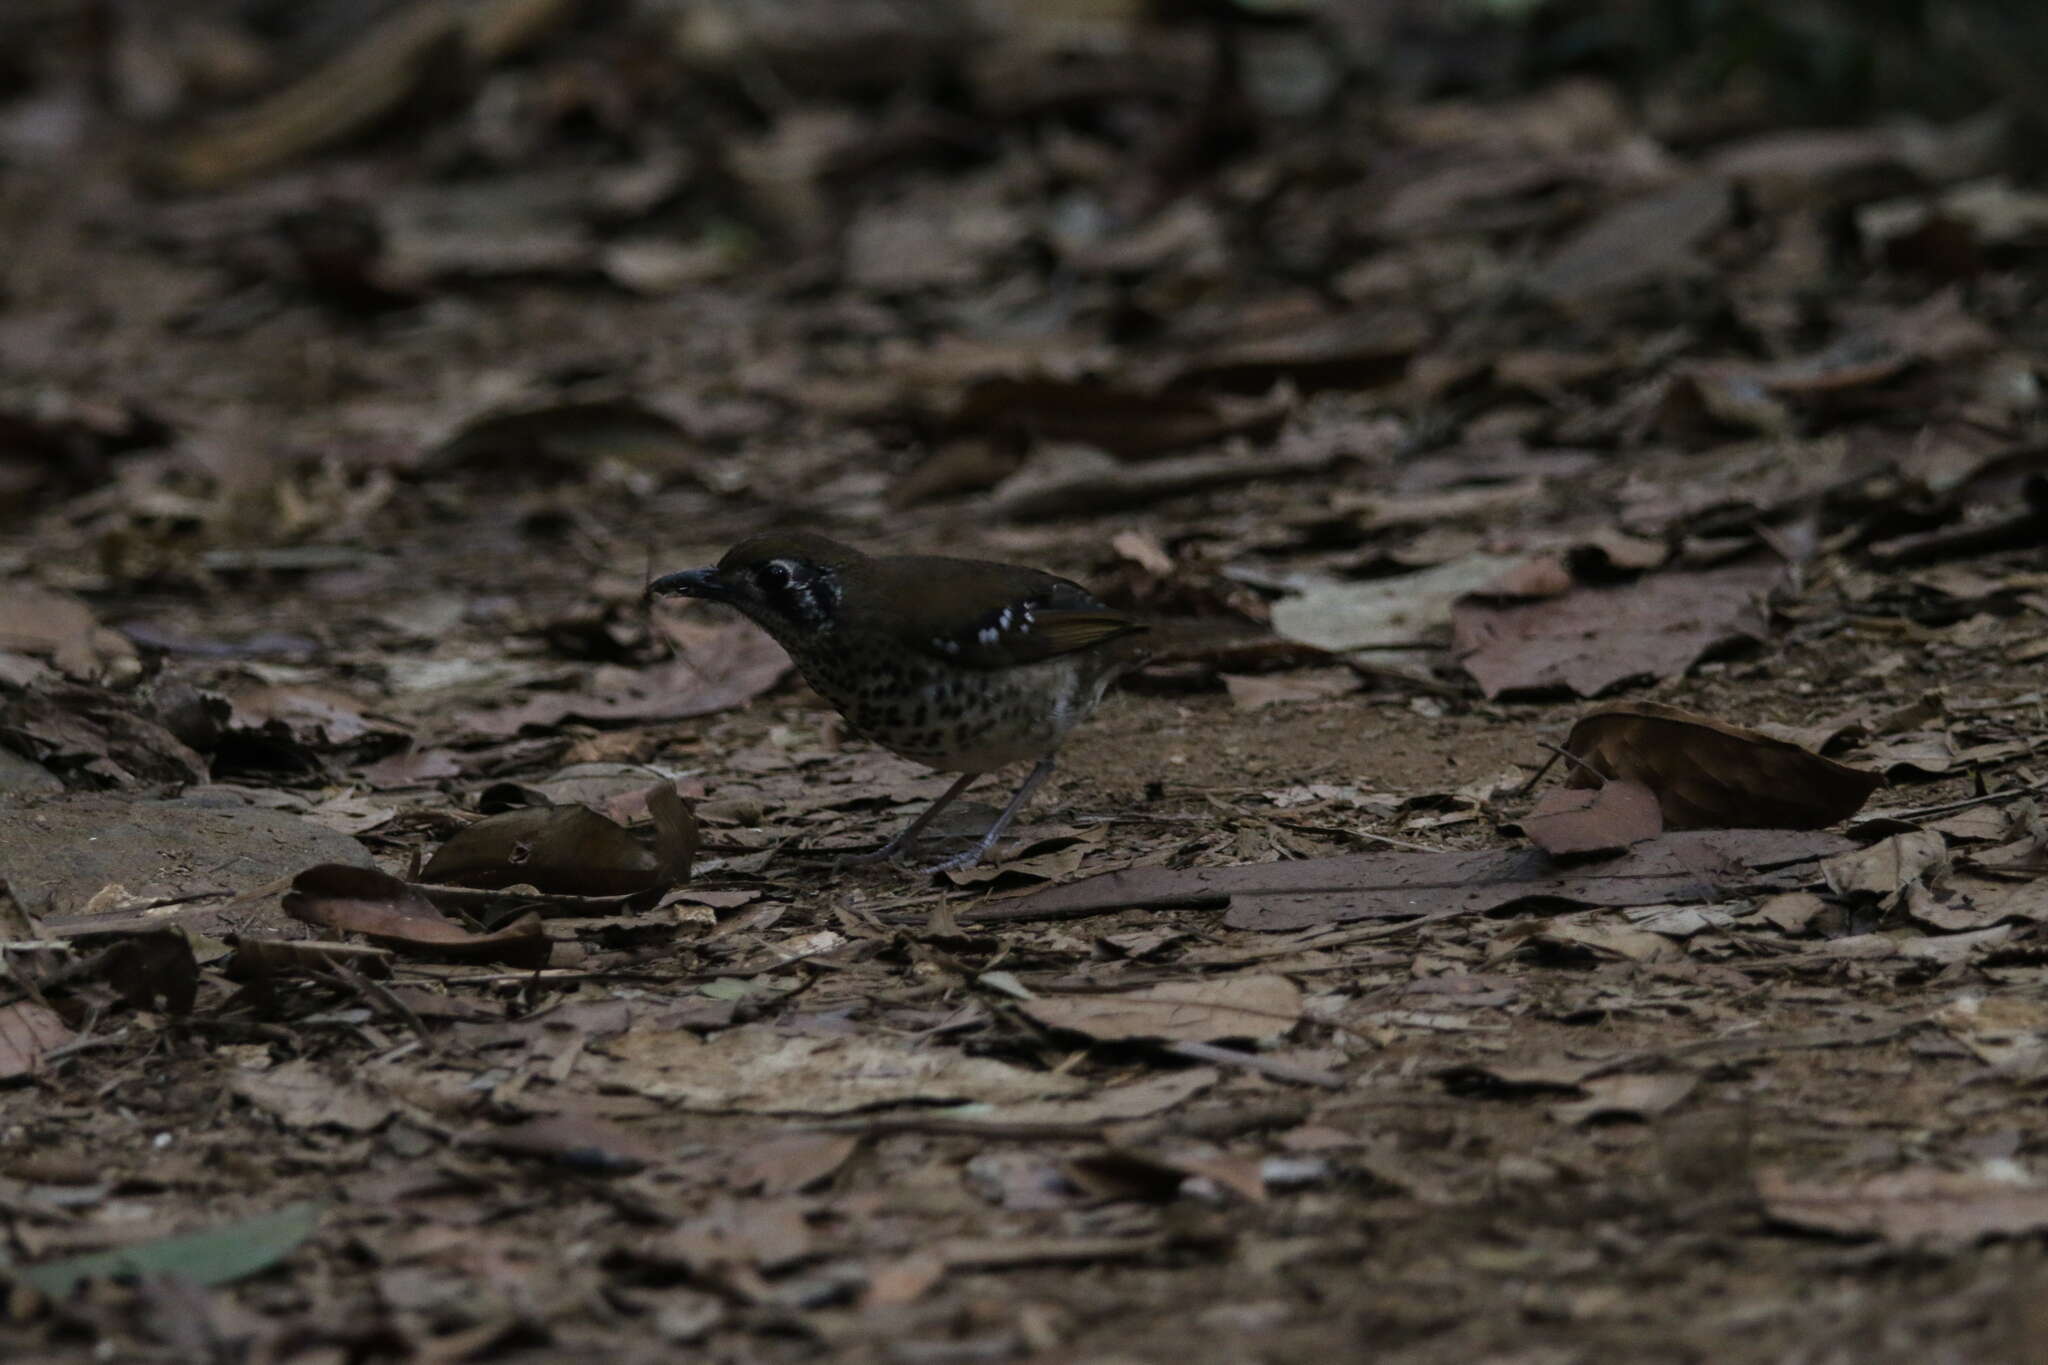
1112 1104
790 1165
760 1233
1918 1207
1358 350
1250 691
1385 613
1595 638
1926 753
27 1031
570 850
567 439
386 64
903 1280
1639 241
304 1096
60 627
1611 942
2007 1032
1702 864
1060 480
756 1069
1792 911
1626 1096
1193 1011
731 668
1709 774
218 1256
387 911
316 718
93 738
1568 823
579 1142
1882 871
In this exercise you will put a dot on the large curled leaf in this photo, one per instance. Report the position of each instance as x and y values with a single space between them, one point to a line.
216 1256
1711 775
570 849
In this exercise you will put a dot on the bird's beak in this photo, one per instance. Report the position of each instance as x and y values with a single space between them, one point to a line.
691 583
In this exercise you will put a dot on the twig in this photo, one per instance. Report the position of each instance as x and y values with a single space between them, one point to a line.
1559 751
1948 807
84 1043
1251 1061
1537 776
377 993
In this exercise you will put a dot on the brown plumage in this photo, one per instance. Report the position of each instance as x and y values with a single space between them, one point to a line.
963 665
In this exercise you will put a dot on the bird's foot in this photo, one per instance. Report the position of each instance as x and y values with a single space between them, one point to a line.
966 858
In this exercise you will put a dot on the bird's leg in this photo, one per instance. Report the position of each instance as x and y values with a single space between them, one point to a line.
995 831
903 841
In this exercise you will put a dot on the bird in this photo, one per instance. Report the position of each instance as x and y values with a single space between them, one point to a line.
963 665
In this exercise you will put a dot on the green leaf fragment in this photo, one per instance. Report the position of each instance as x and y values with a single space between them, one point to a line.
216 1256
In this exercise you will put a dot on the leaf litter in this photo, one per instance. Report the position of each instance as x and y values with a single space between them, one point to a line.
369 843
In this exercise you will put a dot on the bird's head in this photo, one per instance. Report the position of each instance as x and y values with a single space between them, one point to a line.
789 582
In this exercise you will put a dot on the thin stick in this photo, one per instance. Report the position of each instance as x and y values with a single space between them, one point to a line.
1252 1061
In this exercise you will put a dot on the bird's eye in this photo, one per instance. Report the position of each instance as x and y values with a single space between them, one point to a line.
774 574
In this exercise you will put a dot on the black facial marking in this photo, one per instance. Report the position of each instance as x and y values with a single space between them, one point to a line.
798 591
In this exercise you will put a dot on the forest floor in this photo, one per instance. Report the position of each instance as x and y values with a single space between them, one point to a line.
421 947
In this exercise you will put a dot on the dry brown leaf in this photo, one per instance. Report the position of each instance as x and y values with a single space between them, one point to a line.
304 1096
1594 638
1917 1207
903 1280
1386 613
94 738
1568 823
385 910
567 439
60 627
728 668
762 1233
1305 892
756 1069
1613 942
27 1031
2007 1032
790 1165
1708 774
314 717
578 1141
1639 241
1250 691
1626 1096
570 850
1885 869
360 85
1192 1011
1062 480
1113 1104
